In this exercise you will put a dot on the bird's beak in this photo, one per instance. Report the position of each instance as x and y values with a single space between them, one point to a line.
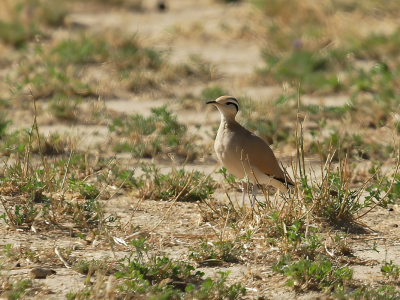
211 102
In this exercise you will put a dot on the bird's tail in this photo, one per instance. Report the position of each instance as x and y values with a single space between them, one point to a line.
282 185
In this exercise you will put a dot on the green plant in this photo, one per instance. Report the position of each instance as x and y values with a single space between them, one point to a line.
162 277
310 244
124 52
16 288
60 70
88 191
64 107
3 124
191 186
22 214
348 144
53 14
229 178
368 293
86 212
84 294
123 177
390 270
332 198
211 93
10 251
218 290
198 68
16 32
390 187
223 250
84 266
160 133
37 191
306 274
341 244
312 70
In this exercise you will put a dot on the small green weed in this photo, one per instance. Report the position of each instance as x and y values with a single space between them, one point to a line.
369 293
229 178
125 53
3 124
17 288
294 238
160 133
124 178
306 274
212 93
223 250
198 68
312 70
64 107
310 244
377 190
51 13
193 186
11 252
16 33
353 145
84 266
21 214
211 289
390 270
162 277
88 191
332 198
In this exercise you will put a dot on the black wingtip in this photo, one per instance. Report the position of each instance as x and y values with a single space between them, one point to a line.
285 181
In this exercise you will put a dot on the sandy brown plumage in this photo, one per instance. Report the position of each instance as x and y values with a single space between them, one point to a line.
243 153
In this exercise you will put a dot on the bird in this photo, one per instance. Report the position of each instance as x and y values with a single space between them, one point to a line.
244 154
41 272
161 5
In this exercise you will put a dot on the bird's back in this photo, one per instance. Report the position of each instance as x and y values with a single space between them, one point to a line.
261 155
249 148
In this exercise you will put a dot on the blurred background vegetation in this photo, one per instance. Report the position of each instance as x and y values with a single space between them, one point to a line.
344 51
136 75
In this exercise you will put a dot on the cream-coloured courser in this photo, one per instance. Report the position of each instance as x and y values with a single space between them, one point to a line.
244 154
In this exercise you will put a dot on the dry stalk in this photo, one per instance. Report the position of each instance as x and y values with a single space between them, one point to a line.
66 264
66 172
387 192
173 203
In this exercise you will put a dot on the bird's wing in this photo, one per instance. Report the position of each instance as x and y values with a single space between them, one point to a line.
261 155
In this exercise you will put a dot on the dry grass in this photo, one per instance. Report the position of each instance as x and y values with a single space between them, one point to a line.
48 184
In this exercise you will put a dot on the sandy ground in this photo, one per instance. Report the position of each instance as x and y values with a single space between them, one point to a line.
236 59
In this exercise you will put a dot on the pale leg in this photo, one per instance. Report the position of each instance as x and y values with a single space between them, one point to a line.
244 191
254 193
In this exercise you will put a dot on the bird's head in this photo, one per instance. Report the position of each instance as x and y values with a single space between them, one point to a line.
228 106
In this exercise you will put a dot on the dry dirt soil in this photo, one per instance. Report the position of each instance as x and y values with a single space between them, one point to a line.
185 28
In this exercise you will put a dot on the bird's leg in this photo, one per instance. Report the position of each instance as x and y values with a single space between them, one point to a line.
244 191
254 193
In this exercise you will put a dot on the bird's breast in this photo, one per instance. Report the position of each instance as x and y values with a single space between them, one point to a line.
228 154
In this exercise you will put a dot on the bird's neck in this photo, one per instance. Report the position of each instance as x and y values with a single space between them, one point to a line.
226 122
